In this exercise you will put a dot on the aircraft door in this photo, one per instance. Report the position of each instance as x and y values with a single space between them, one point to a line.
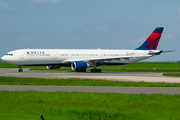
100 54
54 55
21 55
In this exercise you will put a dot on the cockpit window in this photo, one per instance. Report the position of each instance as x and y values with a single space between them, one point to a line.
10 54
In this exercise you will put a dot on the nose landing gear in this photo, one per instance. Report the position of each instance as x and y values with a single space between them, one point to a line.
20 69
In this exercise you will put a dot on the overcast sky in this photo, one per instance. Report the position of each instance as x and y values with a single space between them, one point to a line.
89 24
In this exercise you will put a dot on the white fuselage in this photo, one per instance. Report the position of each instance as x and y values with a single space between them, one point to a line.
54 56
80 59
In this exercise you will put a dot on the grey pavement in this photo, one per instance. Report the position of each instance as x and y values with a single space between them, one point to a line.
93 89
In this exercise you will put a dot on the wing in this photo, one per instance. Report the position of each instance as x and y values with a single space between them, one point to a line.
100 59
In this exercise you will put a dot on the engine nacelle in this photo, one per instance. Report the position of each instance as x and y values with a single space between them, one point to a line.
79 66
53 67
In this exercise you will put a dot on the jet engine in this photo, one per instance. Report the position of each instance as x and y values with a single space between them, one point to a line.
53 67
79 66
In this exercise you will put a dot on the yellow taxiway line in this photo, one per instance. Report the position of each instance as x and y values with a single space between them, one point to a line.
15 73
27 73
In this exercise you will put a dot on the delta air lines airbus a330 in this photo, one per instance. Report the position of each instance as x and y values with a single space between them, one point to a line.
80 59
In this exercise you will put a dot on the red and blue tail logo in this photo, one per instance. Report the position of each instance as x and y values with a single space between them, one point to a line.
152 41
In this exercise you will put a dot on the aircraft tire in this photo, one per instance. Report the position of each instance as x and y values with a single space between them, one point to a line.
96 70
81 70
20 70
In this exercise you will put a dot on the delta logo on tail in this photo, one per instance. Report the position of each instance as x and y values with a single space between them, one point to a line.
152 41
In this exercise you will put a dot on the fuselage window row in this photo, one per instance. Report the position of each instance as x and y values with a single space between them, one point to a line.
9 54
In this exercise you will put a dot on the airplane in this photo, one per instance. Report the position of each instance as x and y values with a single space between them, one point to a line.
81 59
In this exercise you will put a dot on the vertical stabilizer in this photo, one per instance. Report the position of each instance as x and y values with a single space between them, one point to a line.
152 41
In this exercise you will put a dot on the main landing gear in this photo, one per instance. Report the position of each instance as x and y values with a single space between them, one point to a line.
20 69
94 70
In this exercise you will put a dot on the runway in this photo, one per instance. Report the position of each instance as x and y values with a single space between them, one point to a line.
115 76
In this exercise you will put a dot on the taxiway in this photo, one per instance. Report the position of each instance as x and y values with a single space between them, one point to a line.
93 89
116 76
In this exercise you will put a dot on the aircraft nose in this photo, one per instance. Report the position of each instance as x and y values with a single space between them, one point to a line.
3 58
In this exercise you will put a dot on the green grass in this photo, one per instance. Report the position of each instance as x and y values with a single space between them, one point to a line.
87 106
134 67
7 65
119 69
90 106
79 82
172 74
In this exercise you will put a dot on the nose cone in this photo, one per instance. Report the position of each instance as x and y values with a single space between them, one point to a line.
3 58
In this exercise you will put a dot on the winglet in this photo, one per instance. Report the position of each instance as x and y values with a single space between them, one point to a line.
152 41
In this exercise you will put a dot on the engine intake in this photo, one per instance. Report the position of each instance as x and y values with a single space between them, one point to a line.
79 66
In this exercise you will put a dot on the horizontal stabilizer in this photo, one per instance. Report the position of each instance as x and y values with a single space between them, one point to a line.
168 51
159 52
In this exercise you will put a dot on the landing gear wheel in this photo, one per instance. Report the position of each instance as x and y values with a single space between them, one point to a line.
99 70
96 70
20 70
81 70
92 70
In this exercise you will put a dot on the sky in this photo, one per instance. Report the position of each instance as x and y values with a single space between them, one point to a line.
89 24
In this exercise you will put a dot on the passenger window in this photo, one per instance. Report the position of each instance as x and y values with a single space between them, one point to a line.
9 54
